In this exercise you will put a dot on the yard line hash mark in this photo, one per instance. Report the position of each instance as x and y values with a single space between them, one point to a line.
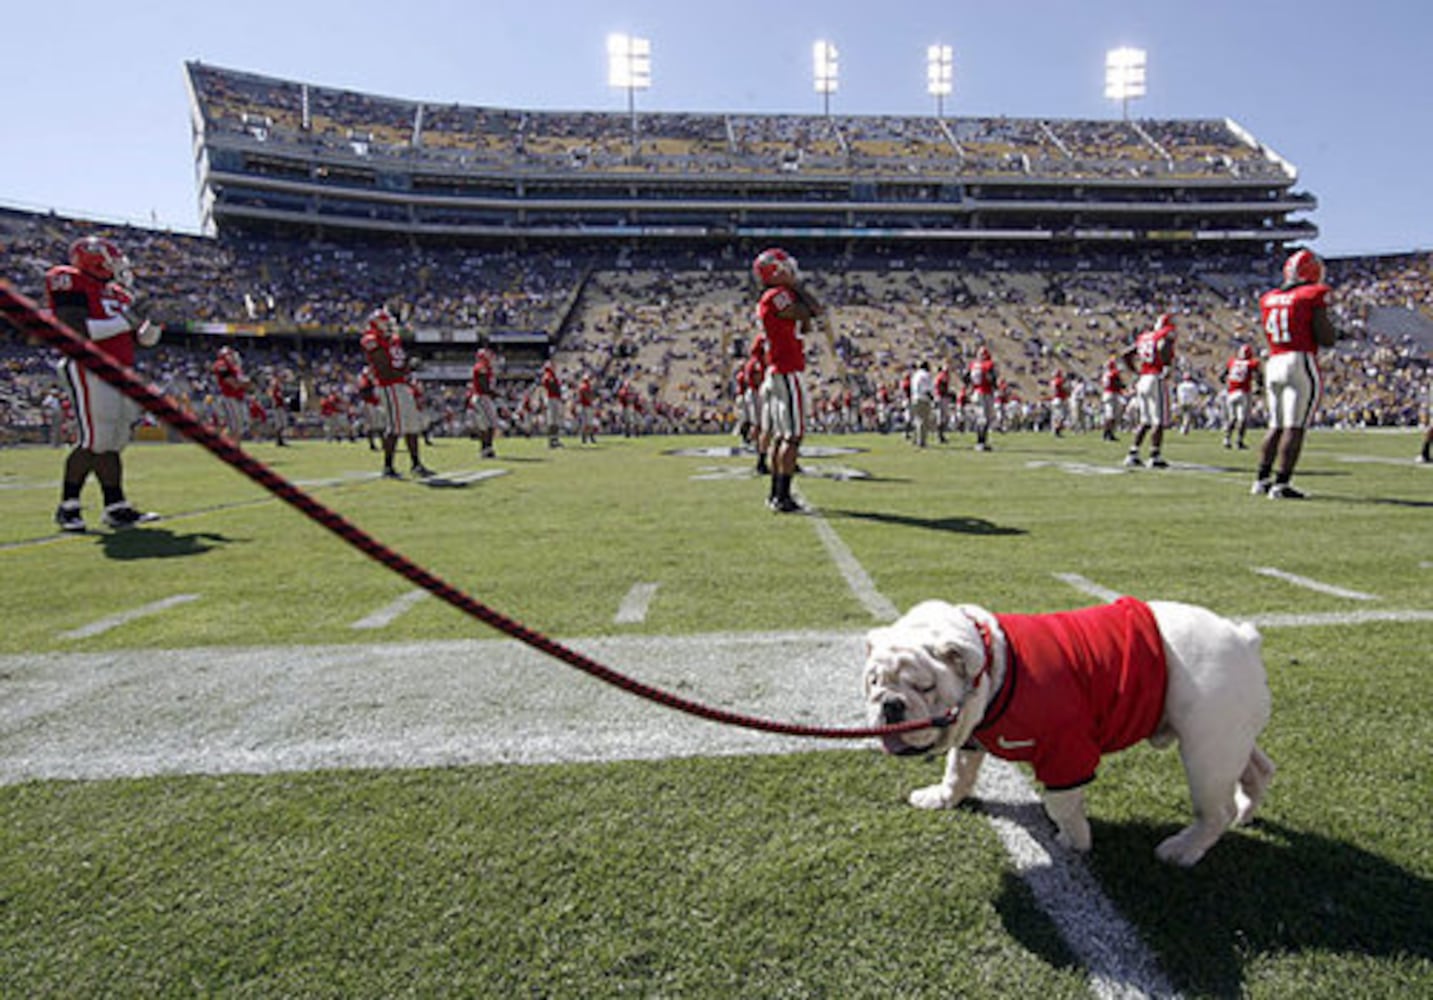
387 615
125 617
633 609
1322 588
1086 586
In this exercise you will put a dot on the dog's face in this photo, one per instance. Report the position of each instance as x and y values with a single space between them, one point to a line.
920 667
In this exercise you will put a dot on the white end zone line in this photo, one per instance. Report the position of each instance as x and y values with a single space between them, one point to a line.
1322 588
125 617
390 613
633 609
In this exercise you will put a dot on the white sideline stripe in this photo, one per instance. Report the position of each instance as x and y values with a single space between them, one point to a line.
1107 946
1322 588
125 617
633 609
1086 586
387 615
860 582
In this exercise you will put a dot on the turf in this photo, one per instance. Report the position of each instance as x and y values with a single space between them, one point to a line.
754 876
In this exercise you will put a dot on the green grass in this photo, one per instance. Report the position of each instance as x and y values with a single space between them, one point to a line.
765 876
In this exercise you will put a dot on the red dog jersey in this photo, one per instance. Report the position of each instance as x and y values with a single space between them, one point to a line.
1078 684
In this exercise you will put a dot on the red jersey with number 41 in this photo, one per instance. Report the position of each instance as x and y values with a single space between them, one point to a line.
1288 318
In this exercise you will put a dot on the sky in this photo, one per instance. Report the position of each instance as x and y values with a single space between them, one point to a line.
97 117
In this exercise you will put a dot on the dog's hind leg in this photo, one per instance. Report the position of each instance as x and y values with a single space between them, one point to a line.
1253 783
1214 769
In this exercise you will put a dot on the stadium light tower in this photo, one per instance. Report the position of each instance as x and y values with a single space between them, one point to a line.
629 66
824 65
1124 76
940 75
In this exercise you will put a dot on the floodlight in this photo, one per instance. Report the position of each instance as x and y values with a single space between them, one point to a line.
940 75
629 67
1124 75
824 59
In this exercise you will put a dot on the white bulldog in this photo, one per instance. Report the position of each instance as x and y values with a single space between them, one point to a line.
1059 690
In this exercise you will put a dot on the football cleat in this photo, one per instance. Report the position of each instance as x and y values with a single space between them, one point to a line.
1157 462
423 472
69 518
1283 491
122 515
391 473
1132 461
1260 487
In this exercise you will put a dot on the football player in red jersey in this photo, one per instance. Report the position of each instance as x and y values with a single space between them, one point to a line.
1296 324
981 379
586 409
1111 397
942 401
92 296
228 371
1241 375
372 409
1150 357
382 345
785 311
480 399
552 404
1059 402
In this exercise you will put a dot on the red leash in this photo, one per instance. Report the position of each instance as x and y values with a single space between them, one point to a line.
26 315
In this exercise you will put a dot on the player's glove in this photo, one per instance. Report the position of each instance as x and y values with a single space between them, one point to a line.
149 333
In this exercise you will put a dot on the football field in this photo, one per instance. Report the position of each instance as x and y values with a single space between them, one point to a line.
239 757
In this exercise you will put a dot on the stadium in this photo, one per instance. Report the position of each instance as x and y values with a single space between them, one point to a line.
240 759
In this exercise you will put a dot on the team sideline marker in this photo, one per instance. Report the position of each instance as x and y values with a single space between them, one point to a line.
125 617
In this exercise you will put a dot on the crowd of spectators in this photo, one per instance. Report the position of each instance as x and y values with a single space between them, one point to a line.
671 325
285 112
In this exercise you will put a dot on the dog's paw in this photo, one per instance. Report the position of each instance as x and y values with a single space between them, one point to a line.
1183 850
1074 841
935 797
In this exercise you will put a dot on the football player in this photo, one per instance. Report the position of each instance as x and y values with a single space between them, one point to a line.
981 379
382 344
480 399
92 295
1296 324
228 370
1150 357
1241 374
785 312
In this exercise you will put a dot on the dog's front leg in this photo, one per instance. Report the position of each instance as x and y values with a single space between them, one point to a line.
1067 808
961 768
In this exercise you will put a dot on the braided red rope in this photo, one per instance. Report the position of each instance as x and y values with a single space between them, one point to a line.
26 315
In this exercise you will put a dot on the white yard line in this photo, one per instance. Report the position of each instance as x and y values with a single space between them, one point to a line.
1086 586
125 617
1322 588
854 573
1338 618
633 609
390 613
1111 950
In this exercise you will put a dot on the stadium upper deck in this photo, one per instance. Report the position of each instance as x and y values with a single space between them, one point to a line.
286 154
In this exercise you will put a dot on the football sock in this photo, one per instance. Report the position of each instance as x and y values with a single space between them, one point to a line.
113 495
71 491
